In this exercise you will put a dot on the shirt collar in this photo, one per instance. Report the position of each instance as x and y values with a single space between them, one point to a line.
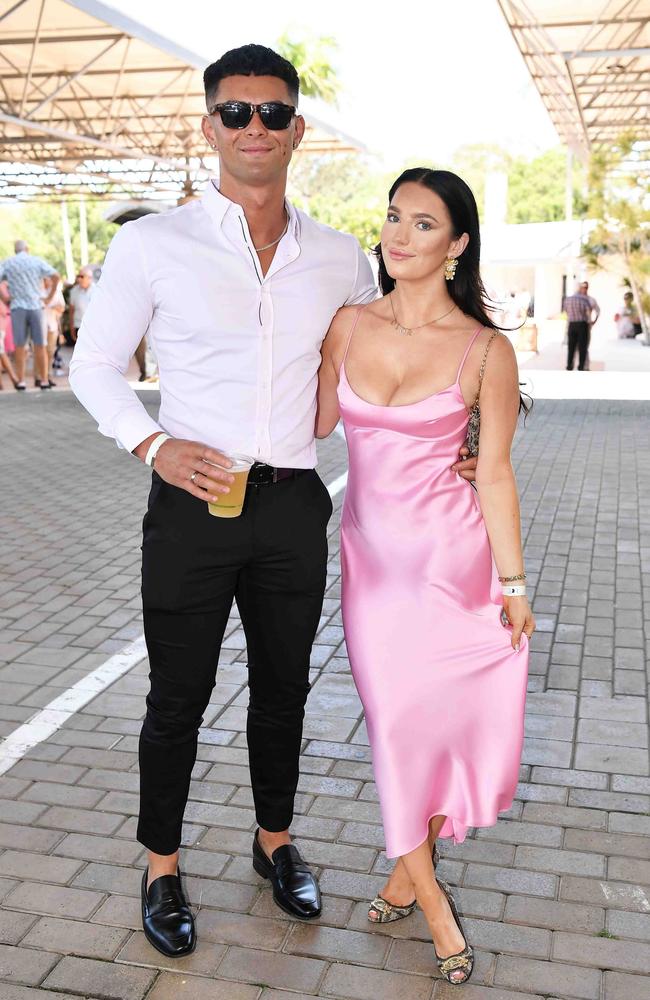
218 206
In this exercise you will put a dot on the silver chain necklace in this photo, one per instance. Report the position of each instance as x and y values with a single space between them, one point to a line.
269 245
408 331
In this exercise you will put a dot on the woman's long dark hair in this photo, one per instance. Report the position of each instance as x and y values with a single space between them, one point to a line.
467 289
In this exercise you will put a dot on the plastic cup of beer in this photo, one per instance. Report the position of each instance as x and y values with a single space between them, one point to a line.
230 504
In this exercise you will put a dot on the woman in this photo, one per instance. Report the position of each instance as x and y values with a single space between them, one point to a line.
6 340
53 310
438 650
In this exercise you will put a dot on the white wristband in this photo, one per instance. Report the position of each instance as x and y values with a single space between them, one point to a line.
511 590
154 447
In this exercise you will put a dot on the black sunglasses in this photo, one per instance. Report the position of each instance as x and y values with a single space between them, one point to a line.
238 114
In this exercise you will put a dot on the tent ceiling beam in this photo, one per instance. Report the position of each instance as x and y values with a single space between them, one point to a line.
591 67
91 100
72 78
87 140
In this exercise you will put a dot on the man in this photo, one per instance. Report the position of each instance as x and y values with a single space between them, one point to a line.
579 309
80 295
25 276
583 289
236 292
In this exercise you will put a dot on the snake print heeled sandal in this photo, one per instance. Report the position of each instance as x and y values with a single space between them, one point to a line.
462 961
388 912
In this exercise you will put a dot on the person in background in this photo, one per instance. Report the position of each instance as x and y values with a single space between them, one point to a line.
53 312
583 289
80 295
579 312
628 323
25 275
5 333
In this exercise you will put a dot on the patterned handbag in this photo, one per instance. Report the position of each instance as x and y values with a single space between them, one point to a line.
474 424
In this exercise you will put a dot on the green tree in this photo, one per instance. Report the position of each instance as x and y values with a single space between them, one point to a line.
619 203
39 223
345 192
312 58
536 187
474 161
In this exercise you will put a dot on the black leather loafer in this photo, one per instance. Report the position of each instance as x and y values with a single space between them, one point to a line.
166 918
295 888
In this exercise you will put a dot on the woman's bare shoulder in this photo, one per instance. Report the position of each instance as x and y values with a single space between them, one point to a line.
375 308
499 343
341 326
501 368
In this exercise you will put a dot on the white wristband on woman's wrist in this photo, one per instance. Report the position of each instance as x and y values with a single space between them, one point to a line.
154 447
514 590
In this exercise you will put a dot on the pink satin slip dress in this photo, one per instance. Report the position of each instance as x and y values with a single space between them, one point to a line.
442 688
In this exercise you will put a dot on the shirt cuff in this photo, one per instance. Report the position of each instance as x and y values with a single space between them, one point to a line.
131 429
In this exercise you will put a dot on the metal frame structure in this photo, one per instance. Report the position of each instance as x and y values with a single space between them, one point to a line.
93 102
590 62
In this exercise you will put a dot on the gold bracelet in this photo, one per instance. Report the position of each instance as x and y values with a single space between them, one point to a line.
512 579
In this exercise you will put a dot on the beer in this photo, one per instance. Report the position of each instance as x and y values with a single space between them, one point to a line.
230 504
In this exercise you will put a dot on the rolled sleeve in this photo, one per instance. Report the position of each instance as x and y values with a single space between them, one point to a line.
116 320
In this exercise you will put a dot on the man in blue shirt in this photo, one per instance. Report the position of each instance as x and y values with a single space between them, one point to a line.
25 276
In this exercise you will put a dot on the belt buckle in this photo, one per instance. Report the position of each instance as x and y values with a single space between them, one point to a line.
264 474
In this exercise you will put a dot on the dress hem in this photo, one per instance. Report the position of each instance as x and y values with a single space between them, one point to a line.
474 824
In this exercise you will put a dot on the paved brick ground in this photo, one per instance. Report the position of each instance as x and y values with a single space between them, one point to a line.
556 895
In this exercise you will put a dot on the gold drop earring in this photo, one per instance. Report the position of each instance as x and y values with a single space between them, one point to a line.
451 264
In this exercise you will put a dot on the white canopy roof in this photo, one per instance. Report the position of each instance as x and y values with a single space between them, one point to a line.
93 101
590 61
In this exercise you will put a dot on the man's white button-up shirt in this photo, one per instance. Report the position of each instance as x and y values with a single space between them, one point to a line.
237 351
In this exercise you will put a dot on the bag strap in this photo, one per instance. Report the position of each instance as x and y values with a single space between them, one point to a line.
496 333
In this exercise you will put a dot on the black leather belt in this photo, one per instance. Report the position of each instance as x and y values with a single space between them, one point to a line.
263 475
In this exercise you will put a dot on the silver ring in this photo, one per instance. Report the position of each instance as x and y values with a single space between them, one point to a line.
193 477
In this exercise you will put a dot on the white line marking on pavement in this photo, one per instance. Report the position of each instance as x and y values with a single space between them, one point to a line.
49 719
337 485
46 722
632 893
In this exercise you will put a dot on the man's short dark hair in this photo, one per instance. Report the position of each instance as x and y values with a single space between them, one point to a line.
250 60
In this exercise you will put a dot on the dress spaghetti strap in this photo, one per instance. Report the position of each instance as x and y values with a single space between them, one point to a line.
349 340
465 355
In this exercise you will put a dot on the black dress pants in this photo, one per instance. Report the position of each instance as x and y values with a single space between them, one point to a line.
578 339
272 560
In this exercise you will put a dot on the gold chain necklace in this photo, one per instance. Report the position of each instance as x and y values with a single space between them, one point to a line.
408 331
269 245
